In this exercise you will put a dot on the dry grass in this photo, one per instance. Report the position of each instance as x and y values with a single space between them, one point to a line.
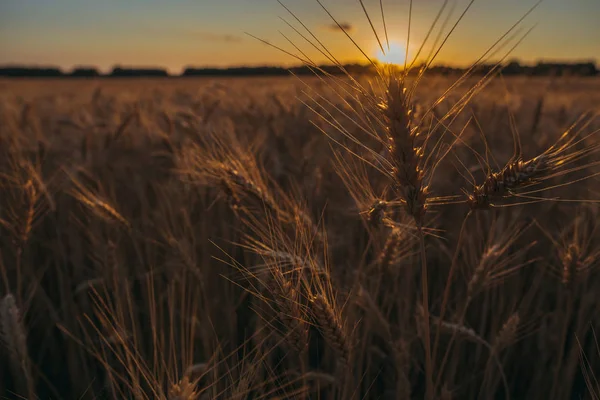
201 239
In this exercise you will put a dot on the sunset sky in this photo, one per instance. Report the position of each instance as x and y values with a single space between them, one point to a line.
178 33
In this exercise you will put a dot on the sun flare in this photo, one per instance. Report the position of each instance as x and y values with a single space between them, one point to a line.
396 54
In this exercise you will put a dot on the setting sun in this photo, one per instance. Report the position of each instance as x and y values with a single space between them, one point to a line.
396 54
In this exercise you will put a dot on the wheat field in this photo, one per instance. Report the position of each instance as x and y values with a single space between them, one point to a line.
271 238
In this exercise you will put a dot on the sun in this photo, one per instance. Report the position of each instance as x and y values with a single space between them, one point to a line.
396 54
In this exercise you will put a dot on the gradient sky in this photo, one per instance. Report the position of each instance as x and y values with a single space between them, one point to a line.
178 33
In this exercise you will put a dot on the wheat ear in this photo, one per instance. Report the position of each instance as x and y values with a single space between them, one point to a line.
183 390
514 175
289 311
519 173
404 153
329 325
15 340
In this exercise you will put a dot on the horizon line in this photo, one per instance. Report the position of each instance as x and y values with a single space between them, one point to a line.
115 66
510 67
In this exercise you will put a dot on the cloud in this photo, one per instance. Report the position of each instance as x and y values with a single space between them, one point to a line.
193 34
218 37
343 26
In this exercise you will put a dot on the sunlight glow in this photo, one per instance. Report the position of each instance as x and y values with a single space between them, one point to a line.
395 55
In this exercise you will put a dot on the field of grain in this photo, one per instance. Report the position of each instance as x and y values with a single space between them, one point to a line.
267 238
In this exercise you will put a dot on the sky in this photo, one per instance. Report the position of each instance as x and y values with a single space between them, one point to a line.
178 33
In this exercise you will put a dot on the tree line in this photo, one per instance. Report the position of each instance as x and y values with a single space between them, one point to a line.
512 68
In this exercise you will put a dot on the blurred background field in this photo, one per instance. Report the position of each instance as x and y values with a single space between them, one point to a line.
139 274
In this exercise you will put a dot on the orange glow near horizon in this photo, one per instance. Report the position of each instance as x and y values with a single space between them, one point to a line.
178 33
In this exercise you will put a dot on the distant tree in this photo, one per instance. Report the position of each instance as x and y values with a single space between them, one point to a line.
29 72
138 72
512 68
84 72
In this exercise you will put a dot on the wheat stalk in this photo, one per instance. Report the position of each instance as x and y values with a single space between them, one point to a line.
514 175
401 353
507 333
289 311
250 188
376 212
519 173
14 338
329 325
404 153
390 251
